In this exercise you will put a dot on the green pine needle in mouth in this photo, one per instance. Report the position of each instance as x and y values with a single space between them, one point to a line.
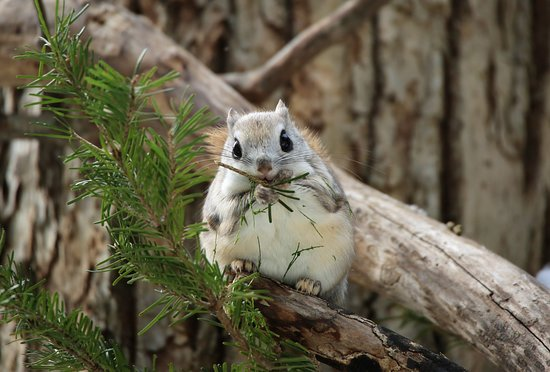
281 192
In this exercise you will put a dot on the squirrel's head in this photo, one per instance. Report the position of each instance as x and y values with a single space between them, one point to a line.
263 144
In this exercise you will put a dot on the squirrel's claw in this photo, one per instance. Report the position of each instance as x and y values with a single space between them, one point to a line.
243 266
239 268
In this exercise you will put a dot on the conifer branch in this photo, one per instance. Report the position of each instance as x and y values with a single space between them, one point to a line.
68 341
145 181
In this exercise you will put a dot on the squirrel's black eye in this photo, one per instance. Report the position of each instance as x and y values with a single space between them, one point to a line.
286 142
237 151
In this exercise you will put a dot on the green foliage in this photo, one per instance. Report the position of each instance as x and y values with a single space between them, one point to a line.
145 181
68 341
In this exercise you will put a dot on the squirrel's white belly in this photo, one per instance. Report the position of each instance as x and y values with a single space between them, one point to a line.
308 242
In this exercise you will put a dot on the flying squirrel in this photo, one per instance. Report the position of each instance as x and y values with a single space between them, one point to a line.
276 207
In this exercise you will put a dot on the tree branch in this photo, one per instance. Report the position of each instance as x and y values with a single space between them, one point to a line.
457 283
345 341
257 84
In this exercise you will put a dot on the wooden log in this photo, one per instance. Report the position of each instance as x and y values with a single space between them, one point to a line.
458 284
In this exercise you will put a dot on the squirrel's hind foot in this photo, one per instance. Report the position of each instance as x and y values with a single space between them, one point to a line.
308 286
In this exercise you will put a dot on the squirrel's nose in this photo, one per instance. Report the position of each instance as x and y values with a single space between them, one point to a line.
264 167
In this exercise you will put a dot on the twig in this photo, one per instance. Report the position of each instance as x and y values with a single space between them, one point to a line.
265 183
242 173
42 9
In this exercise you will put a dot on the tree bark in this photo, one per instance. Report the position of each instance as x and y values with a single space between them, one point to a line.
259 83
410 257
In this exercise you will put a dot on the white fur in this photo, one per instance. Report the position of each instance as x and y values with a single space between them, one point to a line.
271 245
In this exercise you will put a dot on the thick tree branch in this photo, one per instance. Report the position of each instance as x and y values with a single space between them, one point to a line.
343 340
257 84
460 285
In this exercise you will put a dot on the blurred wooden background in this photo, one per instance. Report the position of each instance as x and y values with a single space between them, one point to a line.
443 104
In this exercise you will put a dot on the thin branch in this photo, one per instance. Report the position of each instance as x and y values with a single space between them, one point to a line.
242 173
260 82
42 9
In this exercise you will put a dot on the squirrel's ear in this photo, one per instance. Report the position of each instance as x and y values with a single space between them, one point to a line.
232 117
282 110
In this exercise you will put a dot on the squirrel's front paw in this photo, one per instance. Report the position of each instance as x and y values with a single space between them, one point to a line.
265 195
308 286
239 268
243 266
283 176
